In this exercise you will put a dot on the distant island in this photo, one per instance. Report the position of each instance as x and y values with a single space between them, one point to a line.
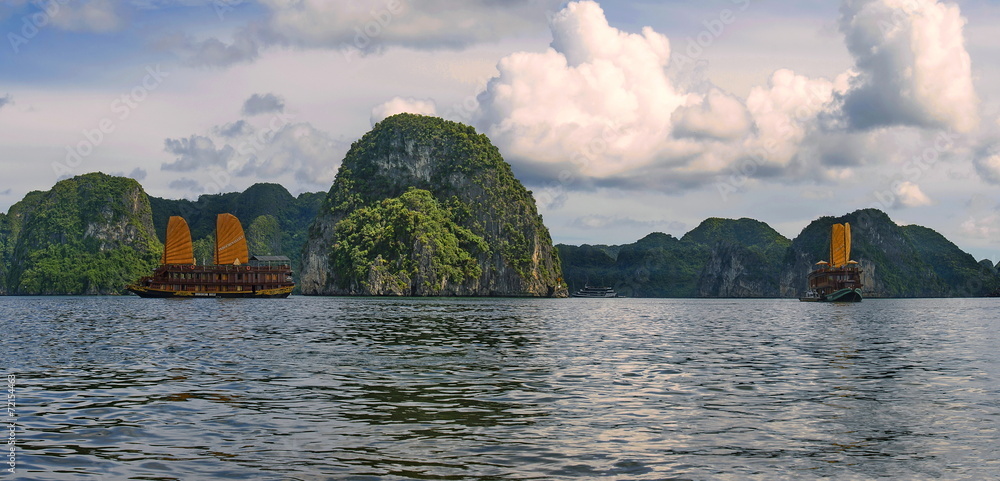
427 207
746 258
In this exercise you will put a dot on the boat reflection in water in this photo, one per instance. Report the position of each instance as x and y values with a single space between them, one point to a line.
234 273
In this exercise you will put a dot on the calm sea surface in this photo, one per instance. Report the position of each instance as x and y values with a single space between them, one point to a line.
333 388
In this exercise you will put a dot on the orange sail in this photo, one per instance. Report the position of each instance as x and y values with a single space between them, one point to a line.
178 249
840 245
230 243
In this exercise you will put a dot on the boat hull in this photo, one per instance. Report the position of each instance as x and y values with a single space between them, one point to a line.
589 292
165 294
843 295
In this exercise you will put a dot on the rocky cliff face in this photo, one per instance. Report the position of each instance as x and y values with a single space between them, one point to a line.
422 206
733 270
91 234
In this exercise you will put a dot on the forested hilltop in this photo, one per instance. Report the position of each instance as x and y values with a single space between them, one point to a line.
423 206
95 233
747 258
91 234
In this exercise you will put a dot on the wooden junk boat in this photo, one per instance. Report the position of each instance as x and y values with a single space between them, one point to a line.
840 279
595 292
234 273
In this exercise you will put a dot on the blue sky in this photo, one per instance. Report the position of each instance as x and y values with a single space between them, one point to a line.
623 117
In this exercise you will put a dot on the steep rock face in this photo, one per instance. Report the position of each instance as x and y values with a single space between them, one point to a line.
415 201
733 270
91 234
744 260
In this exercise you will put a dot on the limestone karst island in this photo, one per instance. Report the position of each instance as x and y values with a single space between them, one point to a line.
427 207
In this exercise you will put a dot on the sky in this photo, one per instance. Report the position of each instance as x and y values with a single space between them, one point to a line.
623 117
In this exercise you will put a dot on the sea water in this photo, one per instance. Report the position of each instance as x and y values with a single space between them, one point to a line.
372 388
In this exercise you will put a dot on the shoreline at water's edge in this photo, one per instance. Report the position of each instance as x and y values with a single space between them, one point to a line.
497 297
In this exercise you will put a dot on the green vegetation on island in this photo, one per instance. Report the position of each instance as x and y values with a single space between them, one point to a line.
90 234
747 258
454 219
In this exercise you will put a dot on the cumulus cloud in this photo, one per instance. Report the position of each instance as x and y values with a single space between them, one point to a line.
988 166
364 27
785 111
138 173
196 152
985 226
912 65
263 104
598 98
263 147
211 52
717 116
233 129
99 16
187 184
368 25
399 105
307 153
908 194
6 99
601 107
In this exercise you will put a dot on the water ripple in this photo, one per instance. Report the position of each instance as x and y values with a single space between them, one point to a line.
327 388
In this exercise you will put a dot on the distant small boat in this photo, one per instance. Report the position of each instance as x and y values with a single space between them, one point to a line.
596 292
840 279
234 274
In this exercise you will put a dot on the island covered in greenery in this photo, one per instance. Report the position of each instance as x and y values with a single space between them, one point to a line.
747 258
424 206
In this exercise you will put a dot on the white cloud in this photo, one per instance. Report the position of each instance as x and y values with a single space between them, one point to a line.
362 27
909 194
599 98
399 105
785 111
717 115
913 68
982 227
368 25
5 100
310 155
212 52
196 152
600 106
263 104
988 167
99 16
604 222
264 147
